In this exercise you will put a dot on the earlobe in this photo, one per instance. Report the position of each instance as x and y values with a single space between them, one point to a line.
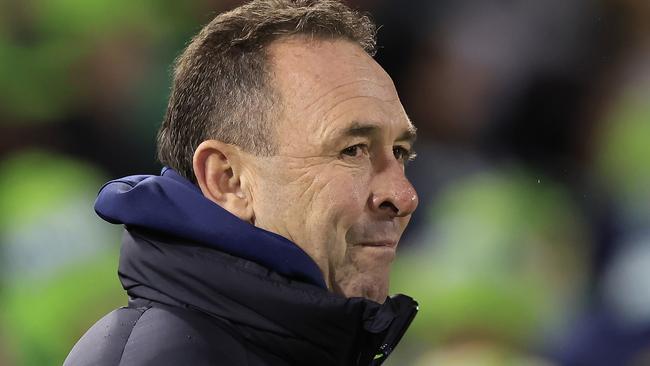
218 170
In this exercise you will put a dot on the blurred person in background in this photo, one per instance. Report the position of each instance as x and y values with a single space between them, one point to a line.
614 327
268 238
70 80
509 101
58 260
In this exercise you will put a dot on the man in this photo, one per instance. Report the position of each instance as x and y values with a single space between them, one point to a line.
268 239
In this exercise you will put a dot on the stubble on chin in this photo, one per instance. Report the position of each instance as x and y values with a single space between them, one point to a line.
365 287
362 278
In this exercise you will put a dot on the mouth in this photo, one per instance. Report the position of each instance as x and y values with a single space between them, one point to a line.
380 244
383 251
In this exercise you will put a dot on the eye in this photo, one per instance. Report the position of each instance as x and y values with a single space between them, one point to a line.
355 150
403 154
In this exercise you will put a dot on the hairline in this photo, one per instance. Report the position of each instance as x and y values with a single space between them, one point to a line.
273 90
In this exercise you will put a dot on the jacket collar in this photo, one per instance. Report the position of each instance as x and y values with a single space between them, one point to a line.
298 321
172 205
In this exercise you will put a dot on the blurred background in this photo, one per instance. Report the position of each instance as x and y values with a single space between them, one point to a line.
531 245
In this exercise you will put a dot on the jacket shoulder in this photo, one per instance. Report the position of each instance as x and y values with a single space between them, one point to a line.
104 342
158 335
166 335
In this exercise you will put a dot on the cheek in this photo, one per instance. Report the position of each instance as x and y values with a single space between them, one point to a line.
274 198
344 196
342 201
317 204
328 202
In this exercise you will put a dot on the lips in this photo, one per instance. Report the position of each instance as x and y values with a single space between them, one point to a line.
385 234
379 243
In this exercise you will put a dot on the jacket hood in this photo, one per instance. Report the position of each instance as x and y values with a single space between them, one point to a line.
172 205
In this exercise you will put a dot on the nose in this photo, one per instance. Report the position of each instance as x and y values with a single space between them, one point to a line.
392 193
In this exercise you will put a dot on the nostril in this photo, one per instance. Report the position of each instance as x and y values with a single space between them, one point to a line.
389 205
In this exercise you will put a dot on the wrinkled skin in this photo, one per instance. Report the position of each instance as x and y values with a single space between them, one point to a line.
337 186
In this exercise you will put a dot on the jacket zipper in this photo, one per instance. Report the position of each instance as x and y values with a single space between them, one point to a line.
387 347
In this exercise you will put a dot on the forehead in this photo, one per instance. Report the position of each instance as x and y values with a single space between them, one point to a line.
326 84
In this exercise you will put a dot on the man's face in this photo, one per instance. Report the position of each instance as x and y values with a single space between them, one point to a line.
337 186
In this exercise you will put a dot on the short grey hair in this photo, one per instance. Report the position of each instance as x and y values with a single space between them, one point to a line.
221 88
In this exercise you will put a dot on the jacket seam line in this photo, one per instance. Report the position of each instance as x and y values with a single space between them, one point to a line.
130 333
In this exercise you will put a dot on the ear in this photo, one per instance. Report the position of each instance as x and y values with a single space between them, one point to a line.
218 170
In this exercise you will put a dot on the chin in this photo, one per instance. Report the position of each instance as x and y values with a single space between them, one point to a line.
367 286
365 273
379 295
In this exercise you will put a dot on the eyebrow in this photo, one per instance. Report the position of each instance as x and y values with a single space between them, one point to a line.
361 129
